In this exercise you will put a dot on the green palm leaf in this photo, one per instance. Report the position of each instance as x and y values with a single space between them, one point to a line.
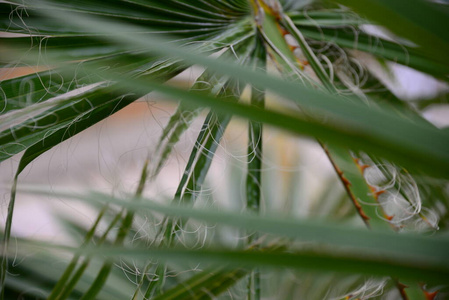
92 58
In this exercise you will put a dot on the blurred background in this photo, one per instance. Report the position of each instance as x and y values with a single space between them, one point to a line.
109 156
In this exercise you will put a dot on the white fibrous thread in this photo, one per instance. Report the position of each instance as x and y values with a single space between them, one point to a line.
370 289
399 196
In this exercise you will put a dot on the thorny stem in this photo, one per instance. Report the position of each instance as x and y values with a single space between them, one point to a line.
273 8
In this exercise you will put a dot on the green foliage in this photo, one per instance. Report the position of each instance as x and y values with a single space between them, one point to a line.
93 58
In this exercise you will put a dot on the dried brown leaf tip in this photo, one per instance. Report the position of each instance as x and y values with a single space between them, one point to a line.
430 295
